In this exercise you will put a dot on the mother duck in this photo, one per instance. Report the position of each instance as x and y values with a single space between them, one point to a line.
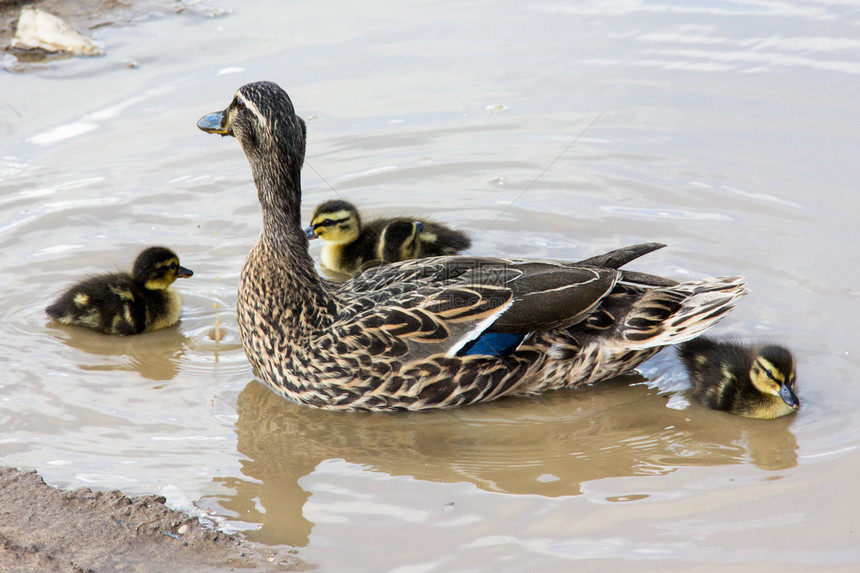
440 332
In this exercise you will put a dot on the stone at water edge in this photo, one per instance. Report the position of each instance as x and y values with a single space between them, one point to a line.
39 30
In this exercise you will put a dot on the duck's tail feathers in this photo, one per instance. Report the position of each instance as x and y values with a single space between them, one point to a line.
676 314
620 257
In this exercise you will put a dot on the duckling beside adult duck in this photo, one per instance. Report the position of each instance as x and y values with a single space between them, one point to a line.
754 381
349 243
437 332
126 303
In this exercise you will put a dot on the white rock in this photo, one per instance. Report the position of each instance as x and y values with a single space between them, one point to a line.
39 30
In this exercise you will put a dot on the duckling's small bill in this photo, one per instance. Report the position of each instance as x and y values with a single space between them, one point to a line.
788 396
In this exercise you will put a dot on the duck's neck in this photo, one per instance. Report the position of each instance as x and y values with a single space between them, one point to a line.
282 237
279 192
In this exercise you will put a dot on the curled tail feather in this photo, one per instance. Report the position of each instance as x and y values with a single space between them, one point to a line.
676 314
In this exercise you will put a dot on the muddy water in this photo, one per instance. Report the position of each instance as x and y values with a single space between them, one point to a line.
728 130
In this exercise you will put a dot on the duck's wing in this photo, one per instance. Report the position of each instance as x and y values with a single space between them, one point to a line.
556 294
446 304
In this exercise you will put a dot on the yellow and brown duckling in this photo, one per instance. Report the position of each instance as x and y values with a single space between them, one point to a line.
435 332
350 244
749 381
126 303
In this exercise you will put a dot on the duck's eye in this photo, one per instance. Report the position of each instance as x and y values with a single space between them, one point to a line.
240 104
327 223
769 374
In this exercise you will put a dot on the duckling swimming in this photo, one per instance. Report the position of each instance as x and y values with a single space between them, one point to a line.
350 244
750 381
126 303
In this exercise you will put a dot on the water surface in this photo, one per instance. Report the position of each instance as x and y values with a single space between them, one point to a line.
553 129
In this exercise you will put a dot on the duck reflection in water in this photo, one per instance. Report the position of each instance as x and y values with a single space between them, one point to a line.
507 446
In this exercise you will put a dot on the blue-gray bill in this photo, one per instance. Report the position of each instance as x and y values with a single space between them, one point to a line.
788 396
213 123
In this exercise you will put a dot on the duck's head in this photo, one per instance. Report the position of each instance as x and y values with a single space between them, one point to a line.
399 241
261 116
773 373
336 221
157 267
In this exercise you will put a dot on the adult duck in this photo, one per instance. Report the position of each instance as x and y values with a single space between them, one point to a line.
438 332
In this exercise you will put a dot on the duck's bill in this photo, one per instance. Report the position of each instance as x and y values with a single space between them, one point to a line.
184 273
788 396
309 233
217 122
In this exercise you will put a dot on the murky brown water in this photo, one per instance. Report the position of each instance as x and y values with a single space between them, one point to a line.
728 130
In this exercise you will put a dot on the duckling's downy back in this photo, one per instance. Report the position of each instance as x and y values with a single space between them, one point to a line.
746 380
125 303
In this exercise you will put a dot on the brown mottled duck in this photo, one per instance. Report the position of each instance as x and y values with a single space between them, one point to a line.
438 332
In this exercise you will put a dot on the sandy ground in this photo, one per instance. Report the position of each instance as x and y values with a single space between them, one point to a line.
46 529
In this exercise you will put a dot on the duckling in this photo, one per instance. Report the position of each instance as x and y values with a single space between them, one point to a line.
126 303
350 243
400 241
750 381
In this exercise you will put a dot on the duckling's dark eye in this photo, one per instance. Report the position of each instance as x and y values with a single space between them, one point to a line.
327 223
769 374
240 104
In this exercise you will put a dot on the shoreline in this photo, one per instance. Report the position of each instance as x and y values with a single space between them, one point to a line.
46 529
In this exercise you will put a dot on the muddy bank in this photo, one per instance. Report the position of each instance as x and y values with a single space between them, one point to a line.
43 528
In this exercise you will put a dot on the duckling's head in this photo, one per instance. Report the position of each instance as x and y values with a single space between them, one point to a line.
157 267
772 373
399 241
336 221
